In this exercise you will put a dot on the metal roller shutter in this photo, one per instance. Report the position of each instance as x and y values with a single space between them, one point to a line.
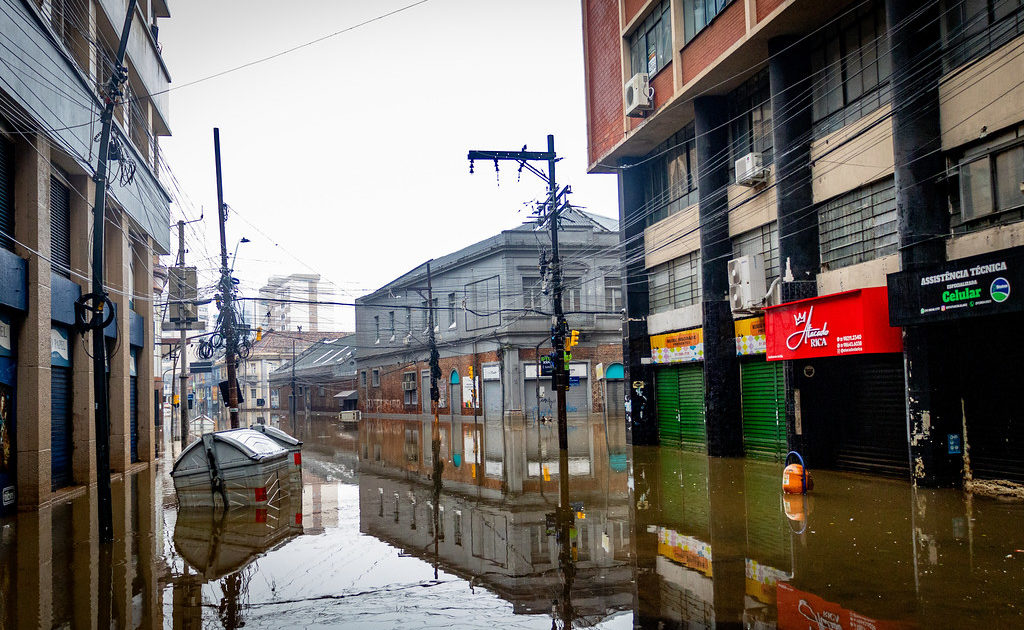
133 416
492 400
577 399
693 435
60 427
60 227
666 385
764 410
874 433
6 194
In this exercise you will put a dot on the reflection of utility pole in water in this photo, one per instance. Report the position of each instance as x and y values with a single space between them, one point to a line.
230 609
567 538
435 432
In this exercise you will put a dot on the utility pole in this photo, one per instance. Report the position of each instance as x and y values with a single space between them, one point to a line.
560 370
227 287
435 433
98 297
184 340
292 401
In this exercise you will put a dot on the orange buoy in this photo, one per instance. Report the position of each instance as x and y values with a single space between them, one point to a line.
795 478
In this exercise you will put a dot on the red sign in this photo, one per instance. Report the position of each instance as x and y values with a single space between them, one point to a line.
799 610
851 322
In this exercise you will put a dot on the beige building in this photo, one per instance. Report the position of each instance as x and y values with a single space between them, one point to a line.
57 53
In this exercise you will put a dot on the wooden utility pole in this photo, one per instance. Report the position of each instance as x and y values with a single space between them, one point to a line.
227 287
98 297
182 403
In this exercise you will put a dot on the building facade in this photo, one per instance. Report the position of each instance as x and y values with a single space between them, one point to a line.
493 325
860 163
58 59
325 380
290 303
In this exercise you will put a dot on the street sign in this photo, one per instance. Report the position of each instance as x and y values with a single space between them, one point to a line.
574 381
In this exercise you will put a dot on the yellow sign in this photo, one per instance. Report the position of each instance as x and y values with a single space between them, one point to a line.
750 337
679 347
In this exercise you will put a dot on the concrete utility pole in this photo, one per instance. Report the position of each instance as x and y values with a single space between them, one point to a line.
292 401
559 328
97 301
227 287
182 403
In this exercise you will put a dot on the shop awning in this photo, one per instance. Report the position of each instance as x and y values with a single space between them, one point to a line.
347 394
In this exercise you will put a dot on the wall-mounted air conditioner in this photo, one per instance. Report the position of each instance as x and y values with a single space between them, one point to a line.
750 171
637 95
408 386
746 283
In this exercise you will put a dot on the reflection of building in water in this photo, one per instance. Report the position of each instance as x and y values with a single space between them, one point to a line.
504 541
52 571
319 500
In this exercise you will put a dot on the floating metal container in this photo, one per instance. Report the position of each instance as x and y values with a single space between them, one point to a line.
239 467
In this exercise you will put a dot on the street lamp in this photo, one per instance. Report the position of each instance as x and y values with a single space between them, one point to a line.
234 255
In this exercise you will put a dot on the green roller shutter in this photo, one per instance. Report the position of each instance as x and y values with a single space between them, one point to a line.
691 407
667 391
764 410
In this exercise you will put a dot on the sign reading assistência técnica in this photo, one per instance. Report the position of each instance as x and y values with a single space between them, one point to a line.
980 285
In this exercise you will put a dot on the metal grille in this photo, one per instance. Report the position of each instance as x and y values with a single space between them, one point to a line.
764 410
60 227
60 427
676 283
133 416
859 226
6 194
763 240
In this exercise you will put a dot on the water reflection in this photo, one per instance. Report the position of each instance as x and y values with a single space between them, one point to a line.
390 527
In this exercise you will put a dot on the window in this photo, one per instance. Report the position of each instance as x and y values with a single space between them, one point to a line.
409 388
426 308
671 183
762 240
533 294
362 378
252 395
375 377
750 121
612 295
650 45
60 224
320 391
850 66
973 28
675 284
572 295
376 328
391 325
992 183
484 303
698 13
858 226
408 321
452 307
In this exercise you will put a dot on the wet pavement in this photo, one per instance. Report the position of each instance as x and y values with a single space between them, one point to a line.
651 538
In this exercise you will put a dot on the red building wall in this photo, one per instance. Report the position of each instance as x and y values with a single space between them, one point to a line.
714 40
603 60
764 7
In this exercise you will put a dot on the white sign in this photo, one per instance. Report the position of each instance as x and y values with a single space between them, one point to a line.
469 385
575 369
5 336
815 337
491 372
59 346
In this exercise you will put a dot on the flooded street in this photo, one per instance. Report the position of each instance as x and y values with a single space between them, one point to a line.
657 538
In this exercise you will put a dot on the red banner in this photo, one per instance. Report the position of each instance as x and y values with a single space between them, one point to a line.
799 610
852 322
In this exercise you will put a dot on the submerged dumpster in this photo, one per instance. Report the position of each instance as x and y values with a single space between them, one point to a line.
294 448
239 467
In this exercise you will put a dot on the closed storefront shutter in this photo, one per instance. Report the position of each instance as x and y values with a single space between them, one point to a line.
764 410
133 415
60 227
691 407
667 392
6 194
492 400
874 435
60 427
577 399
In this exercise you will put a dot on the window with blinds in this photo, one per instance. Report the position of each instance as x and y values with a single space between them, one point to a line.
60 225
675 284
6 194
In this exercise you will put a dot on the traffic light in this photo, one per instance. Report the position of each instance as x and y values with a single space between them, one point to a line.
471 372
259 333
574 338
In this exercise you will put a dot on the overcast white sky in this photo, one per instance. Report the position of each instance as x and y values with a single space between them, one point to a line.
348 157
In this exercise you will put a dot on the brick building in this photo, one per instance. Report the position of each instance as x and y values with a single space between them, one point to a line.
861 163
56 60
325 379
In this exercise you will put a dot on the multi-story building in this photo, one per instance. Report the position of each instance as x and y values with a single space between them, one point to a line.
57 61
290 303
492 309
867 156
324 376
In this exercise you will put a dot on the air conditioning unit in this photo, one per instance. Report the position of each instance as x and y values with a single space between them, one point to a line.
750 171
637 95
408 386
746 283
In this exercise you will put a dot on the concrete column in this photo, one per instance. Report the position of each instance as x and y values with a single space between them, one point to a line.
923 221
122 570
117 255
83 411
35 564
789 77
721 369
641 415
32 227
144 306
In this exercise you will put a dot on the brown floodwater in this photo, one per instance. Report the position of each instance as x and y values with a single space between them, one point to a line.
651 538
